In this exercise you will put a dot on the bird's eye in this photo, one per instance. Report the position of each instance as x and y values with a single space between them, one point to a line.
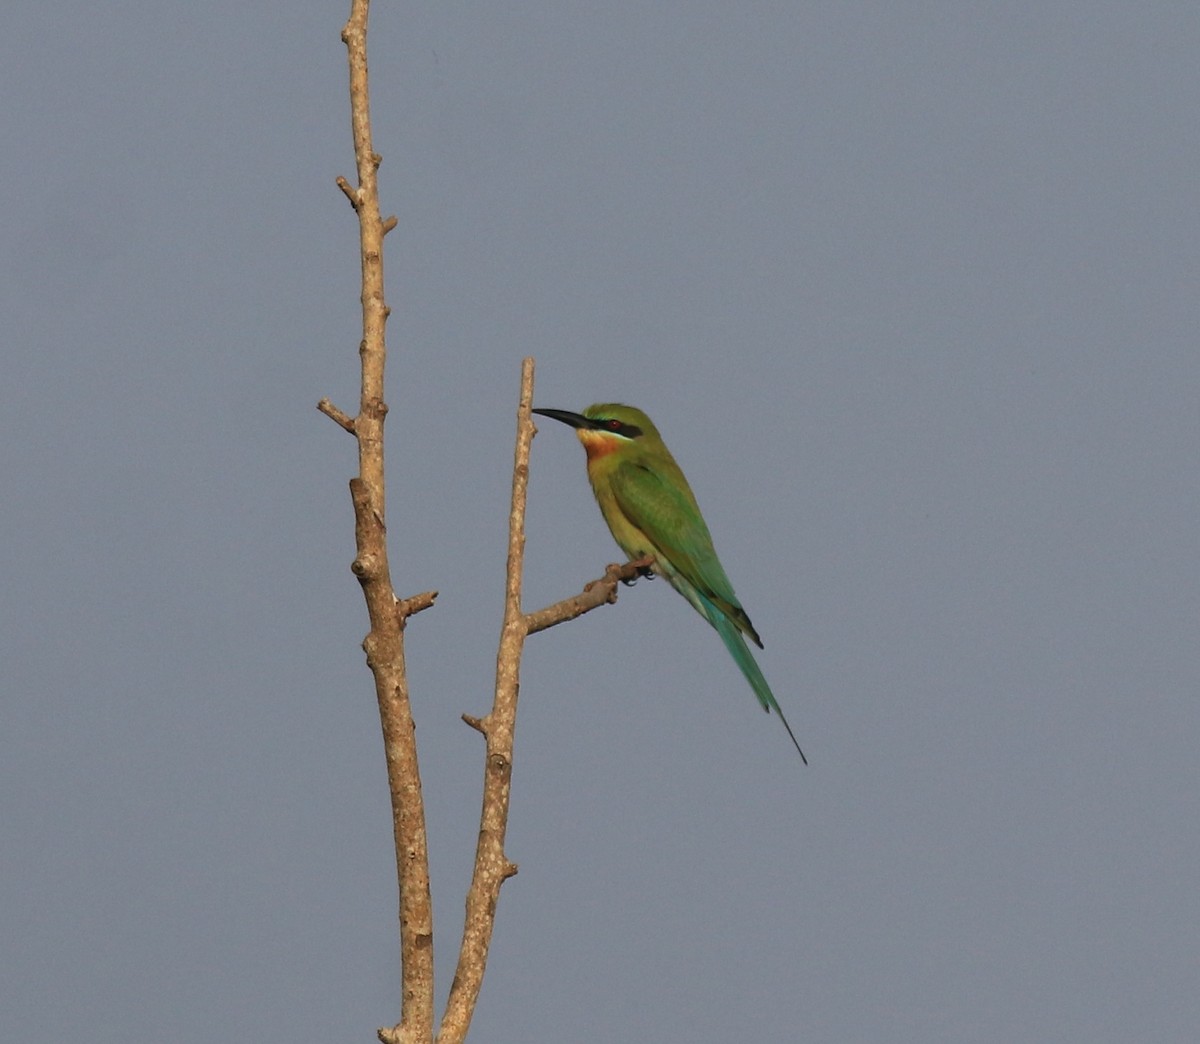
614 425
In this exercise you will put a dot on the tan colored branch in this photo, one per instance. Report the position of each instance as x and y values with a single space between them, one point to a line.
492 867
384 643
595 594
407 607
336 415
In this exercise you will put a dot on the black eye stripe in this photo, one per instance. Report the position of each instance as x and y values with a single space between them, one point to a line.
629 431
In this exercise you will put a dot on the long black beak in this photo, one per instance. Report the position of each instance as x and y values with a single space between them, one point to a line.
575 420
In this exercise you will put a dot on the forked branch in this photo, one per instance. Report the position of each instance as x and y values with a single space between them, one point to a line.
388 614
492 867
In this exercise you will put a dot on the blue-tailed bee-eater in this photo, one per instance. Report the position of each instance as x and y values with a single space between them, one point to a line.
653 515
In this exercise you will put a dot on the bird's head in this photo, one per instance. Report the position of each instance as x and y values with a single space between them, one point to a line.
608 427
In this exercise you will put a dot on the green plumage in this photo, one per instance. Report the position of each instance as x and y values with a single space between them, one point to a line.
651 511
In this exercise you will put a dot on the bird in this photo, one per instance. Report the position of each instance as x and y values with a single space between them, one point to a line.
653 515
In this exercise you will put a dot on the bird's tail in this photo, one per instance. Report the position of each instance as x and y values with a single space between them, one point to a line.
744 658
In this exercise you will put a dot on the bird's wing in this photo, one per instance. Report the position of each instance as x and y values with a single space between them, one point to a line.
672 522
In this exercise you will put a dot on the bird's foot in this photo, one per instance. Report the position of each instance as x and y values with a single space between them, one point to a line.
644 567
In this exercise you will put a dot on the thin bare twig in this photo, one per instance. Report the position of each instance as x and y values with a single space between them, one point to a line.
407 607
336 415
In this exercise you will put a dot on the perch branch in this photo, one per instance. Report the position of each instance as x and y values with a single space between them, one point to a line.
594 594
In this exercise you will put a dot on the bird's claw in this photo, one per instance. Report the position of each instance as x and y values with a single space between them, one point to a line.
644 567
643 573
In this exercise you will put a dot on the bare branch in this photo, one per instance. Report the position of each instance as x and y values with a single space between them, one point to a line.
407 607
595 594
336 415
492 867
384 644
352 193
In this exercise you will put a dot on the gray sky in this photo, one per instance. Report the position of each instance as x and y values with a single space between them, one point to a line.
911 291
